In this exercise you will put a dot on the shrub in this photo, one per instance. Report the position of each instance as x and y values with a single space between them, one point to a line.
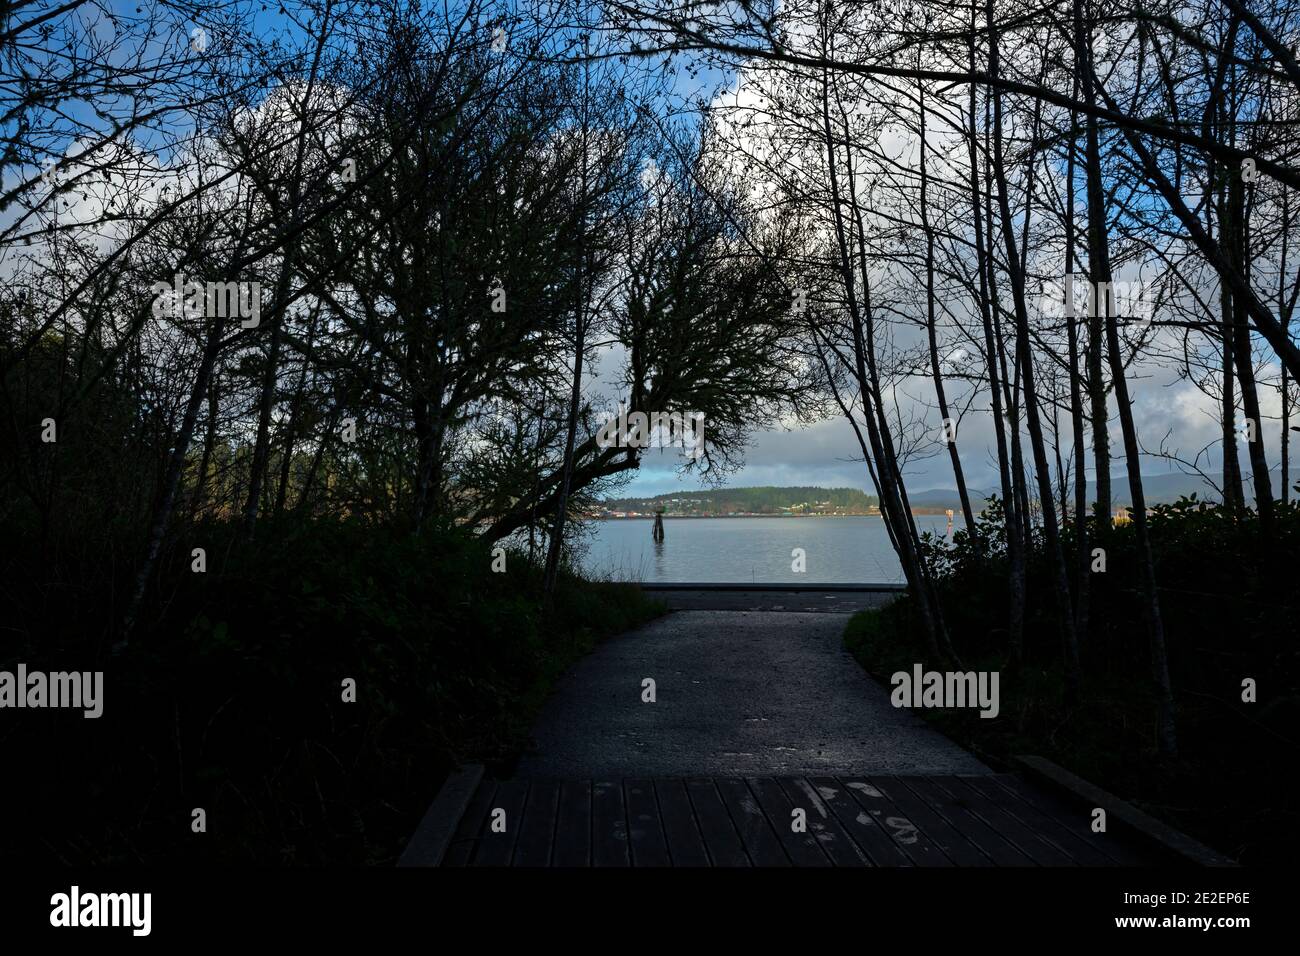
229 696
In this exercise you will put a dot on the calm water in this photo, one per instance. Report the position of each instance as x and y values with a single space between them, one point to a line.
849 550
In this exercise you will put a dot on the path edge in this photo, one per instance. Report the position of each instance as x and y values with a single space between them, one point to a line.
770 587
1147 827
428 845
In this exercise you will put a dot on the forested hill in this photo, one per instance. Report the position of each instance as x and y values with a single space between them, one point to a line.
759 500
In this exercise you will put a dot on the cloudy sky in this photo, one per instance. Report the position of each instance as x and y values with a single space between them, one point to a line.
826 454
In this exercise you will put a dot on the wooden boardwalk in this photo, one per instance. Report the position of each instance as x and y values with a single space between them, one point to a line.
990 820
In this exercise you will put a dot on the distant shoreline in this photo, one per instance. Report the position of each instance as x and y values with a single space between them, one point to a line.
930 512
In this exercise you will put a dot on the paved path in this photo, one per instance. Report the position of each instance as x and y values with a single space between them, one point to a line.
737 694
840 600
767 745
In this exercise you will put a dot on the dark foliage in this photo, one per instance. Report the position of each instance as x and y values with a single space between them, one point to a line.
231 697
1230 617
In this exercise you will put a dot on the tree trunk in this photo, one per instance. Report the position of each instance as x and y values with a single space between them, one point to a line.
950 436
1073 675
1244 359
1083 554
1098 273
209 443
987 294
291 430
890 502
575 393
1233 492
1166 730
171 481
571 429
1166 726
262 445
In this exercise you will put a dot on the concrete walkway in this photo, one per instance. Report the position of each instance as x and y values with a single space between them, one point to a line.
738 693
839 599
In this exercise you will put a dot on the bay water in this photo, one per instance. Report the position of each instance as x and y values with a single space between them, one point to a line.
852 549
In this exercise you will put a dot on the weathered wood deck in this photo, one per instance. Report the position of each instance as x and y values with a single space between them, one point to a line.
990 820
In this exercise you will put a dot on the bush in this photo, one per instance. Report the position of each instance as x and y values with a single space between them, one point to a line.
229 696
1229 606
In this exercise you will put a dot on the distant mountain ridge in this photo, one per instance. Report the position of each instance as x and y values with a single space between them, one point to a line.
1158 489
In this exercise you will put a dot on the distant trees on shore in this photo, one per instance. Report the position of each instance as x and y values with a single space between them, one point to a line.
764 499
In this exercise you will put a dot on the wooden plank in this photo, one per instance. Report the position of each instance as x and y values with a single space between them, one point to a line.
608 825
685 845
830 835
926 821
573 825
1079 849
645 828
461 849
910 840
537 835
496 849
862 827
959 815
432 837
720 837
802 848
760 842
1007 825
1078 820
1161 834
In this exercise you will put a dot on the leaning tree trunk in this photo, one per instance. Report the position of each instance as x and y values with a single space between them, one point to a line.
889 501
171 480
262 444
